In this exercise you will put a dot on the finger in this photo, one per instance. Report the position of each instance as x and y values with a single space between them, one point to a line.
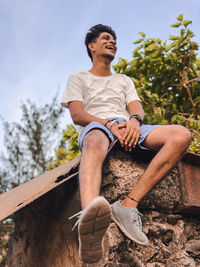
121 132
130 144
128 129
122 125
137 138
117 133
128 138
134 139
121 140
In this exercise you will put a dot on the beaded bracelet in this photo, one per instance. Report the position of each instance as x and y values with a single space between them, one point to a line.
132 198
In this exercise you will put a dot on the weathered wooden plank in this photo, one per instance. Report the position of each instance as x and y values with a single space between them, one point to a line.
20 196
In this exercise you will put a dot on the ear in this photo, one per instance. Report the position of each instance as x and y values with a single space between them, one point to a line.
91 46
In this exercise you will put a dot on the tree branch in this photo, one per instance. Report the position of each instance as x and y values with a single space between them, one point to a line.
193 80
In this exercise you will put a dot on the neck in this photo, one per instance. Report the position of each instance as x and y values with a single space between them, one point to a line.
101 68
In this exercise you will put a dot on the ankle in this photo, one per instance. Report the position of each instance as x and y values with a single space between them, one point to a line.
128 203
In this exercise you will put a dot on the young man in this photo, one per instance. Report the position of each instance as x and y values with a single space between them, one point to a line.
108 107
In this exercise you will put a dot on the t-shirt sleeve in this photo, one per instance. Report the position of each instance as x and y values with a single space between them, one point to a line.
131 93
73 91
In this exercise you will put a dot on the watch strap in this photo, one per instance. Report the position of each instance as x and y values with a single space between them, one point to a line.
137 117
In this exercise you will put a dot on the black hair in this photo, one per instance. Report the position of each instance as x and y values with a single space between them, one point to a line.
94 33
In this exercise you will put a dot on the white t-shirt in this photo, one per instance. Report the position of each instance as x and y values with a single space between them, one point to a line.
103 97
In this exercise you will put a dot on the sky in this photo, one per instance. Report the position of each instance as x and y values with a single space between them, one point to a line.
42 42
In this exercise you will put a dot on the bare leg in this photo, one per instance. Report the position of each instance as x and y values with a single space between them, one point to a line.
95 147
172 141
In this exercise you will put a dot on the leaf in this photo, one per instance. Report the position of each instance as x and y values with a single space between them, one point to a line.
147 42
138 41
176 25
194 45
187 22
180 17
150 48
182 32
173 37
168 47
158 40
190 34
155 53
152 39
134 80
156 97
137 48
121 64
155 60
147 59
142 34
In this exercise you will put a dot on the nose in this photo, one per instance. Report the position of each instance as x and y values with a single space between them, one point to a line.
112 42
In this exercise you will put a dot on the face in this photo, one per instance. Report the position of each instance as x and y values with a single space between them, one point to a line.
105 46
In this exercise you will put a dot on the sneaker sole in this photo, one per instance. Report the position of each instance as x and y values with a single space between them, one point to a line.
127 234
92 227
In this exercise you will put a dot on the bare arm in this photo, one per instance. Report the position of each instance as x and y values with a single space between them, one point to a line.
82 118
135 107
79 116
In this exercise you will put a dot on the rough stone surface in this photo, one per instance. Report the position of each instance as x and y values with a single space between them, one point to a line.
170 244
43 234
120 174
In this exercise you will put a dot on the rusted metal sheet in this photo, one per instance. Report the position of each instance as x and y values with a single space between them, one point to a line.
189 169
24 194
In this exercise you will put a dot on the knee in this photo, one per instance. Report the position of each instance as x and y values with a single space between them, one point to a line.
181 135
94 142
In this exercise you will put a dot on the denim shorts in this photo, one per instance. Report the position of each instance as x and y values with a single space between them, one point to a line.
145 131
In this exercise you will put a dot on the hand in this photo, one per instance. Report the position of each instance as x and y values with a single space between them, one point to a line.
119 133
132 133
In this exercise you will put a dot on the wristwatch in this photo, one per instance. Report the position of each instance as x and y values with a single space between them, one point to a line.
137 117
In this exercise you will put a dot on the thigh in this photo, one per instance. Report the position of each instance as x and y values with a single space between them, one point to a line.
159 136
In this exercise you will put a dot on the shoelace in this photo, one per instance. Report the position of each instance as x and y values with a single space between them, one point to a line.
78 215
137 219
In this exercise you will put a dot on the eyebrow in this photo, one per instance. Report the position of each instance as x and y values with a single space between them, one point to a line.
106 35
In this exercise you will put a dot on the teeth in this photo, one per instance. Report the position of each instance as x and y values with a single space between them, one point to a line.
110 47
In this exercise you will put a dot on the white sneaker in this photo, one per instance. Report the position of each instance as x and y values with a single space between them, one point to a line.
92 224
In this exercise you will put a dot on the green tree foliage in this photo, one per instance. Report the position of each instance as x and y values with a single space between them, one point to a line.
3 181
167 78
30 144
69 148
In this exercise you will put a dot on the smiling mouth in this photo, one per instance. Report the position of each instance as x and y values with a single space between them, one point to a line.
111 48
